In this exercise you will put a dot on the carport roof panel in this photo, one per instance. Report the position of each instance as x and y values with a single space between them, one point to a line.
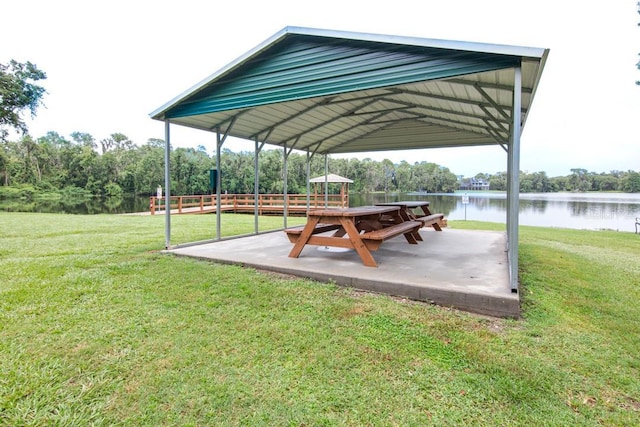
301 67
334 91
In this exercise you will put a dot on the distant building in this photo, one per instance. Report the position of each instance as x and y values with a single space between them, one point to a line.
474 184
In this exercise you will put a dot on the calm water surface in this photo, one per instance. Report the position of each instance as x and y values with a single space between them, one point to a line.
593 211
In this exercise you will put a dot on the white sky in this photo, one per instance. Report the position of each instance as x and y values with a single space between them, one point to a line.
110 64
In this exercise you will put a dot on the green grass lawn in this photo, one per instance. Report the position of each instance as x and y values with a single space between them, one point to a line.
97 327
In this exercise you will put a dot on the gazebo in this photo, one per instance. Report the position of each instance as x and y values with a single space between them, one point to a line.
324 92
324 181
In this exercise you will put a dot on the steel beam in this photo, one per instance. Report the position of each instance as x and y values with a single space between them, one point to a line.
285 209
513 202
308 168
256 185
167 186
219 142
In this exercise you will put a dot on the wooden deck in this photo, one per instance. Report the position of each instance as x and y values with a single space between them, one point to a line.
268 204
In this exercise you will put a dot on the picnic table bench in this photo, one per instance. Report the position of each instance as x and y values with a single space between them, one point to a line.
433 220
376 237
426 217
293 233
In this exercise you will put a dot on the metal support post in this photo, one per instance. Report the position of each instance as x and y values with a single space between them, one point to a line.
167 186
514 180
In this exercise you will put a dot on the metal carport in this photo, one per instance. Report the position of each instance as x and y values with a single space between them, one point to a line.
328 92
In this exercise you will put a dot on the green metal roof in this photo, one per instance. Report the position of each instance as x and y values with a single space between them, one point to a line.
338 92
306 67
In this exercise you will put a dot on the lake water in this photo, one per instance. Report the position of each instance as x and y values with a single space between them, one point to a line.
594 211
78 206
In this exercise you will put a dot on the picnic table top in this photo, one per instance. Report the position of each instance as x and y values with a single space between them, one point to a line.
353 212
407 203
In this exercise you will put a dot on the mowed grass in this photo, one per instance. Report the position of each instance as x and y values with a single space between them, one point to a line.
97 327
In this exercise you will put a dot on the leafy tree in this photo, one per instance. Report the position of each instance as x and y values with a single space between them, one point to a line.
631 182
354 169
28 171
4 164
237 175
540 182
374 176
18 93
433 178
404 177
498 181
605 182
82 164
149 168
271 167
389 182
448 181
190 171
85 139
579 180
560 183
51 145
296 173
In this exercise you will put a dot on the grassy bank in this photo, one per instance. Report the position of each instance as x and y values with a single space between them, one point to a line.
99 328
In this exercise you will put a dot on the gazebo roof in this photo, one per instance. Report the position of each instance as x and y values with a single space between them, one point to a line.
342 92
331 178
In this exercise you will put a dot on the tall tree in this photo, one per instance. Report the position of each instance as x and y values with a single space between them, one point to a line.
149 169
631 182
498 181
4 166
579 180
86 139
18 93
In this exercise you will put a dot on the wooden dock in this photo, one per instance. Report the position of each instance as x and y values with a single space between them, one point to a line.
268 204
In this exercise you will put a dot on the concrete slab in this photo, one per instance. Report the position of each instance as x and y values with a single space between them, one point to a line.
463 269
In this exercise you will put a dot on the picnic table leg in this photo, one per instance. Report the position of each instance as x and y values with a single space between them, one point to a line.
358 244
307 232
405 214
416 234
427 212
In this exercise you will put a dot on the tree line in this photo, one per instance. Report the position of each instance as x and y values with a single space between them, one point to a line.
115 166
579 180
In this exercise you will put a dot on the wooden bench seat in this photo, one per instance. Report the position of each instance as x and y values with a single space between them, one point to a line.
407 228
294 232
433 220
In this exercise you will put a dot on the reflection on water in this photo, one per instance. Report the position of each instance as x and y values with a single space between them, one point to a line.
114 205
593 211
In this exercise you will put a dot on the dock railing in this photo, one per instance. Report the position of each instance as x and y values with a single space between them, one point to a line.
268 204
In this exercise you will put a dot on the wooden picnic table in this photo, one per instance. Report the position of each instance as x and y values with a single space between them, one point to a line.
358 228
426 217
